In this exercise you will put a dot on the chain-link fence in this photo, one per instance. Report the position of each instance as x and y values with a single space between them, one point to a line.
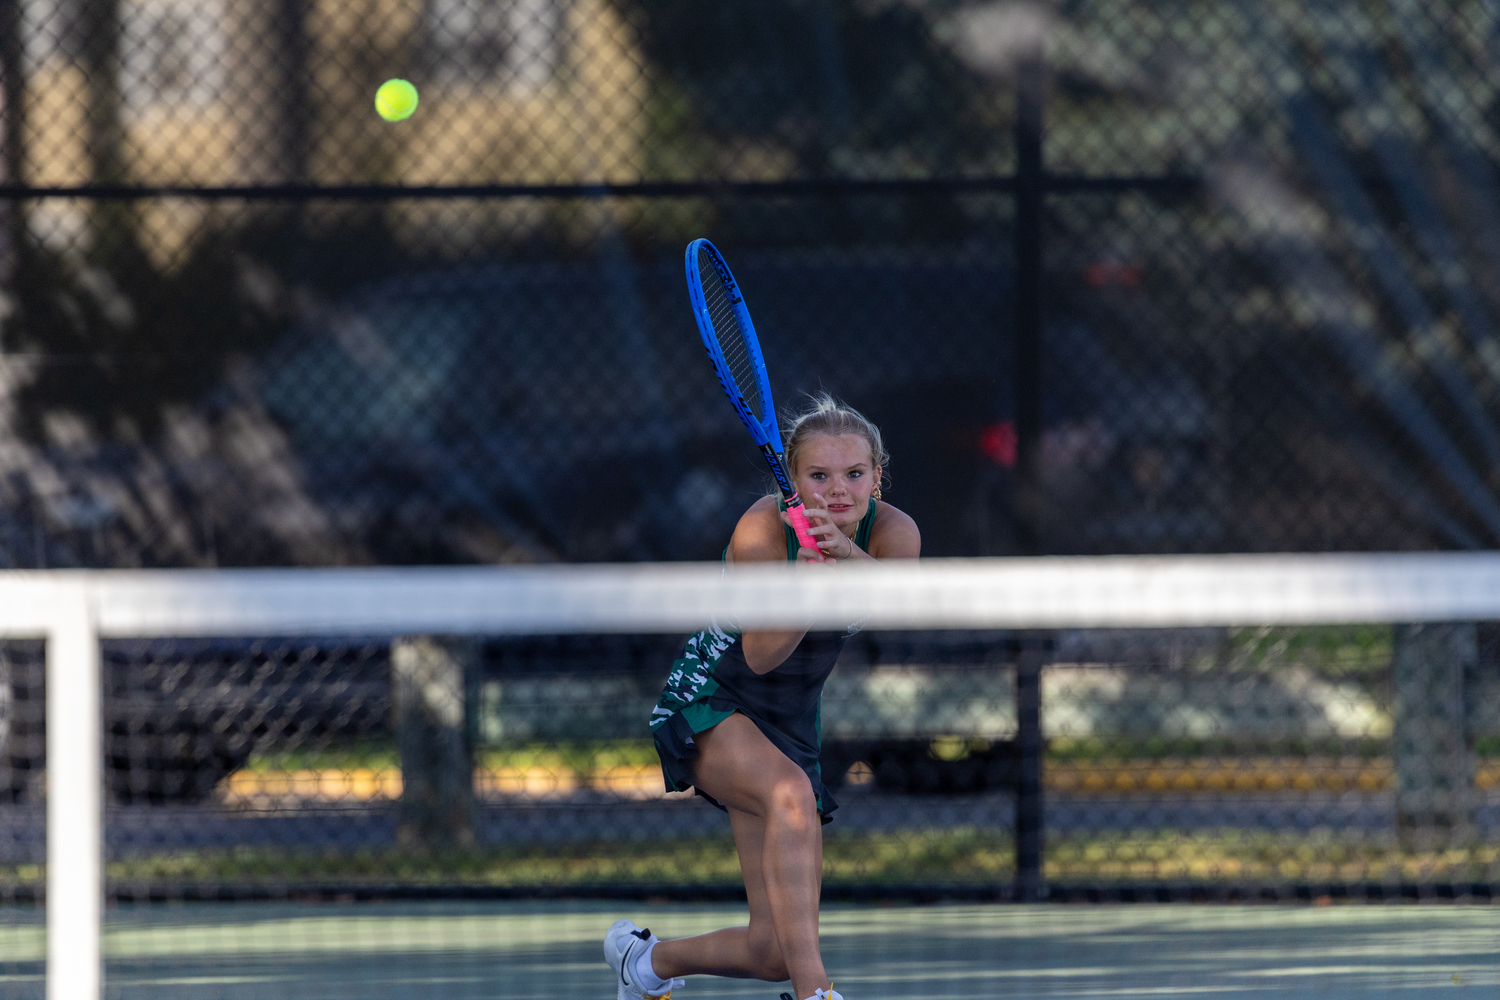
246 322
1199 763
1226 283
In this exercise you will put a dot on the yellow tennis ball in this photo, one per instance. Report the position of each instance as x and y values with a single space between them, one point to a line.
396 100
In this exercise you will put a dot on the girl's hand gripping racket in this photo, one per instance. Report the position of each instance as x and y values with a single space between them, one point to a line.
729 337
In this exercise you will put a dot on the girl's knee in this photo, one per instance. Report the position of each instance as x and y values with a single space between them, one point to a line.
791 798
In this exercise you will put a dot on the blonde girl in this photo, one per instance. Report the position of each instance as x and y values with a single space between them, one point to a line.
739 722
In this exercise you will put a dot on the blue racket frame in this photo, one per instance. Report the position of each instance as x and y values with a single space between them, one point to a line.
765 431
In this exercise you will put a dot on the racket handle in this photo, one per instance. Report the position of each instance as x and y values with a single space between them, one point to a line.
800 524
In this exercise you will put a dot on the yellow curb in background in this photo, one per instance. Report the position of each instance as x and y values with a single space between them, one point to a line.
1218 776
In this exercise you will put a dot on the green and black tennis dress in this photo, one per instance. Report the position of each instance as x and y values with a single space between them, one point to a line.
711 681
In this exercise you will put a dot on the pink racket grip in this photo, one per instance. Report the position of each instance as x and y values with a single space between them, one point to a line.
800 525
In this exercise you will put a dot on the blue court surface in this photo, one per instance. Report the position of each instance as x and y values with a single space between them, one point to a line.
547 951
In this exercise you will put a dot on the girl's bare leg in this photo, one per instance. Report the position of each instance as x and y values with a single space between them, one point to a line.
779 836
737 952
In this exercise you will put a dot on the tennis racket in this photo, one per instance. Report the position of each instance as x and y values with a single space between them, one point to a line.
729 338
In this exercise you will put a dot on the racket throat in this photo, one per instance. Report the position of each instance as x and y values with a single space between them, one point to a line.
778 469
789 496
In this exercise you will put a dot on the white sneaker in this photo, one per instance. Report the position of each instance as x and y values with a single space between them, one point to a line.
821 994
623 944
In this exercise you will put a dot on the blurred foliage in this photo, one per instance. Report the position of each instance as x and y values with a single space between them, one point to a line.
937 857
1228 748
804 88
932 858
122 340
123 337
1334 650
1282 352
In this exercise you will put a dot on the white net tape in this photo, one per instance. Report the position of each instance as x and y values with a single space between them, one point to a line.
1053 592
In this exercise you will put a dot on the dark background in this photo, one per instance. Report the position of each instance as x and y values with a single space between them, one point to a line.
248 323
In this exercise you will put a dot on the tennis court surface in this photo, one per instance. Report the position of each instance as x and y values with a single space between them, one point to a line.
541 951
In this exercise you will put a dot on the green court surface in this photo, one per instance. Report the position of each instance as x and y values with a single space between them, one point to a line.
551 951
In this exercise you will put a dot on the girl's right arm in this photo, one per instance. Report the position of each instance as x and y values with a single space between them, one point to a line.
760 537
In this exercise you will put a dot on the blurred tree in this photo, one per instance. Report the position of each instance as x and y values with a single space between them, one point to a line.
846 88
127 339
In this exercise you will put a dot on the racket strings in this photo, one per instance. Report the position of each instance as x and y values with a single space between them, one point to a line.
731 337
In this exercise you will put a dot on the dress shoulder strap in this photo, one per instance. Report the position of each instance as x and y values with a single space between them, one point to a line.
866 525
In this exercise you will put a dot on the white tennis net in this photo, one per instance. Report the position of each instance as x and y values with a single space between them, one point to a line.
1078 605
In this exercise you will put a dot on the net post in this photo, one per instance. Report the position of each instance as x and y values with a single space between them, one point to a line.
1029 883
75 770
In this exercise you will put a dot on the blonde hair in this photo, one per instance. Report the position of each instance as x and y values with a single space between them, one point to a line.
827 415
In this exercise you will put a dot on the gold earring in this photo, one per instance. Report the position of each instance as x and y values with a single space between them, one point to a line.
876 493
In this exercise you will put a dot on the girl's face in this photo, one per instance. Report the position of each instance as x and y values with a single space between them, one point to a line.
840 469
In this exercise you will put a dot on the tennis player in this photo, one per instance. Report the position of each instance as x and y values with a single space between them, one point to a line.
739 723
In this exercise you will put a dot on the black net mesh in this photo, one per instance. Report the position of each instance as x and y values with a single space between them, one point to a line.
1257 762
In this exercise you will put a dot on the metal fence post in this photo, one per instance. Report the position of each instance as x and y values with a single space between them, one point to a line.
1030 192
1029 886
13 135
430 687
1435 763
293 127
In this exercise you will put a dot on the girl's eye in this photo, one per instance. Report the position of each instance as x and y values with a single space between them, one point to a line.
855 474
818 475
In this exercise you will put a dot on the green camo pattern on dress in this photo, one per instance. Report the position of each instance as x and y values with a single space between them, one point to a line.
692 676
